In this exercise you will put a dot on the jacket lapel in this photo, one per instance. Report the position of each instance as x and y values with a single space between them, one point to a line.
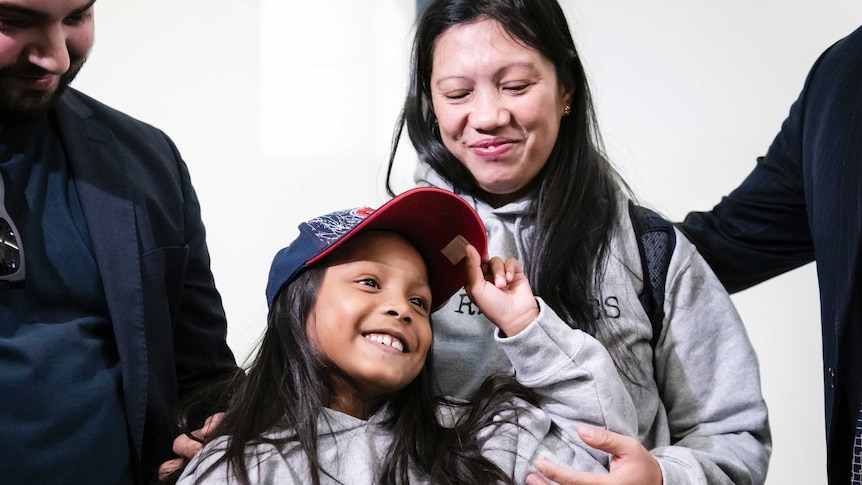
109 211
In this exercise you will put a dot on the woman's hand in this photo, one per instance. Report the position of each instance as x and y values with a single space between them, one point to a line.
631 464
501 290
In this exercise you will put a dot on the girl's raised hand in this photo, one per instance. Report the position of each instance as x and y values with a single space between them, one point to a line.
501 290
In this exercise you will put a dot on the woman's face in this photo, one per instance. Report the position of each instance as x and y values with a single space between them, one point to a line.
498 104
371 319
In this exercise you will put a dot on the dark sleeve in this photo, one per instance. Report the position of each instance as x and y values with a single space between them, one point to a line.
761 229
176 346
200 328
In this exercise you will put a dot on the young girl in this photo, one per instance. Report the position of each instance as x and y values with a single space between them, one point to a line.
340 390
499 111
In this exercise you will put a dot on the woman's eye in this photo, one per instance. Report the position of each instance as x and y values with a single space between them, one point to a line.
516 87
457 94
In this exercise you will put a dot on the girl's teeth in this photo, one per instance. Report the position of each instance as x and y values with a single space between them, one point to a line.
386 340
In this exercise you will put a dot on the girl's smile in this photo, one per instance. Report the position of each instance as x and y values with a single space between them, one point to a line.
372 318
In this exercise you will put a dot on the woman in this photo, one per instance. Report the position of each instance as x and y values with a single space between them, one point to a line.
499 111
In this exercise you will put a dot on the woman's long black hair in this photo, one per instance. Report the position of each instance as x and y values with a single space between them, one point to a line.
575 194
287 388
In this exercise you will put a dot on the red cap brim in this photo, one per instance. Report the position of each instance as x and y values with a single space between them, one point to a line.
439 224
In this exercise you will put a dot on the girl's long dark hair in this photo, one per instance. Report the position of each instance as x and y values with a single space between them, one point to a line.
575 194
286 388
283 388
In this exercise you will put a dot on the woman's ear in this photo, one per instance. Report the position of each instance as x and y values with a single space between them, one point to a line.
566 94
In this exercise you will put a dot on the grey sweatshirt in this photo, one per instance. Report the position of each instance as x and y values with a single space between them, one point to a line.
699 407
575 383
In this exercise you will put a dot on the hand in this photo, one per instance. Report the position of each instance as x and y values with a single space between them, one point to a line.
631 464
186 447
501 290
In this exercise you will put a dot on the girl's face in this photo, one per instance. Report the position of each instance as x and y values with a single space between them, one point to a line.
371 319
498 104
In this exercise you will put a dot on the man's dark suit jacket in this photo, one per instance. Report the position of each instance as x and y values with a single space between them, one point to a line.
145 225
802 202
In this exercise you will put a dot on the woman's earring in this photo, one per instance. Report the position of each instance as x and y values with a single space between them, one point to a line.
567 110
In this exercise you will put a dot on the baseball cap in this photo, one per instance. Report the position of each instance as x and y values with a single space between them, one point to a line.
436 222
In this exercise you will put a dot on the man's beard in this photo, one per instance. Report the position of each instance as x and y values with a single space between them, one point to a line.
19 105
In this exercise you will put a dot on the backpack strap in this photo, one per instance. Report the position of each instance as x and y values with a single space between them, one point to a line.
656 242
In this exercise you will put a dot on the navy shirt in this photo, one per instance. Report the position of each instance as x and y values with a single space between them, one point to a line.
61 409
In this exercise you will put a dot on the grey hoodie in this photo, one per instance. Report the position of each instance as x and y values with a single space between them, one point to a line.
702 415
575 383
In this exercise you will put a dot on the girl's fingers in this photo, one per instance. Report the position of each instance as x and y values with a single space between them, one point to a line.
474 266
495 271
513 267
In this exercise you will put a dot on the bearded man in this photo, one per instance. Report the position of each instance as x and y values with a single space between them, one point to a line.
108 310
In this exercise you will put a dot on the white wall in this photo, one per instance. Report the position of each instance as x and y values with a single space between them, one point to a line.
283 110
